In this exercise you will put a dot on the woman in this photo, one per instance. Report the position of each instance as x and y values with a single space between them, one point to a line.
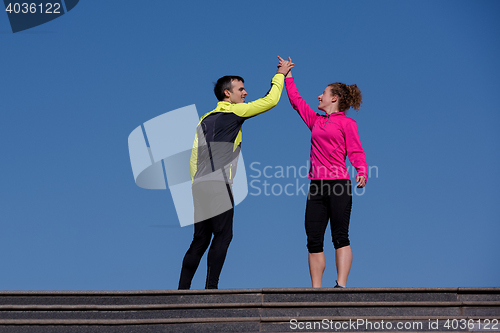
333 137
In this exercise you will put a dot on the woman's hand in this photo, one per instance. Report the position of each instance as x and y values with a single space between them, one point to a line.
361 181
285 66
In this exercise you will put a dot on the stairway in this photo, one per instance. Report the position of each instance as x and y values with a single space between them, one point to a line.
252 310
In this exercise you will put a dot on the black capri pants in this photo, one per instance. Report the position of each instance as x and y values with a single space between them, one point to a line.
328 200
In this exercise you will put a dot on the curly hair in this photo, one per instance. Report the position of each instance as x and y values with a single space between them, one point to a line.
348 95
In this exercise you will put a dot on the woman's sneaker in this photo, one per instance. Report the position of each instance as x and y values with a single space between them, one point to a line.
338 285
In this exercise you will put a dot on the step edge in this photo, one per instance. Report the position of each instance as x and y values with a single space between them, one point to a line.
458 290
127 322
93 307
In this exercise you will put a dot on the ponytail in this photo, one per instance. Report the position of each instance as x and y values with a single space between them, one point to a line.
349 96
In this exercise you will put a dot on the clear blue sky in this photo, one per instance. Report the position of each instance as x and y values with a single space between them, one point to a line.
72 90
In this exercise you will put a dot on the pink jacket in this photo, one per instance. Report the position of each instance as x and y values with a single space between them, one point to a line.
333 138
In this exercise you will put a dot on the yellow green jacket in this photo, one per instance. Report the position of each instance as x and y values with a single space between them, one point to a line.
217 141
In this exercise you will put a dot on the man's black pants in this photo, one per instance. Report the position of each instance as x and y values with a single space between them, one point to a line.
209 199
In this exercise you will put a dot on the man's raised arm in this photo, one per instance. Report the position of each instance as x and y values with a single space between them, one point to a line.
272 97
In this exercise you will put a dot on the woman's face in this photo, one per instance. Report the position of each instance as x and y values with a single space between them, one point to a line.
326 99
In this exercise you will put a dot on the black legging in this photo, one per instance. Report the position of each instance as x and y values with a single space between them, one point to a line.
328 200
206 196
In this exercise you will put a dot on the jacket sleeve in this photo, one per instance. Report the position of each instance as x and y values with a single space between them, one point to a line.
298 103
355 152
193 161
263 104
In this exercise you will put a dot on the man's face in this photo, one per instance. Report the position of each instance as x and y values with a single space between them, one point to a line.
237 93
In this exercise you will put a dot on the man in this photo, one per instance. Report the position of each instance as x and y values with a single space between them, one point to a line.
213 166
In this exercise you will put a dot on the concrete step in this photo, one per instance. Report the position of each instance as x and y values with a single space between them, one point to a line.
251 310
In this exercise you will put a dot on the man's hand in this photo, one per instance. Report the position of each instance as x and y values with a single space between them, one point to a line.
361 181
285 66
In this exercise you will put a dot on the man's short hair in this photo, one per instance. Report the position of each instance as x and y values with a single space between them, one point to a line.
224 83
